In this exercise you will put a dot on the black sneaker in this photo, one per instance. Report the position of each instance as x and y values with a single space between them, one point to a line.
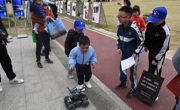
49 61
121 85
39 65
130 93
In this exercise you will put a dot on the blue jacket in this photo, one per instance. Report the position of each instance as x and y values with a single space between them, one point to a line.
76 56
38 10
130 39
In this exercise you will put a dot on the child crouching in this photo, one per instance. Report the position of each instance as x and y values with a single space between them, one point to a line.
82 57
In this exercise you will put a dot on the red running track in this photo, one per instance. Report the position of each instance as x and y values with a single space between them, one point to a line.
107 71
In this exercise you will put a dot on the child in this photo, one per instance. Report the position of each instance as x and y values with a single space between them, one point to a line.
137 19
130 42
125 3
73 36
157 37
83 57
37 7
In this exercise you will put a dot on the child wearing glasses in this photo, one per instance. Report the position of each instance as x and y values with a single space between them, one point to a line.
130 42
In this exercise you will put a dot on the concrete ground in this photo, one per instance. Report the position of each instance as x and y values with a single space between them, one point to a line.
45 89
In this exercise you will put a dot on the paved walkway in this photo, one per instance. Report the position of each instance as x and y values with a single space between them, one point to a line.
107 69
45 89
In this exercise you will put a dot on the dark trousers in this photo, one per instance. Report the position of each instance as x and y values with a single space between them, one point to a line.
83 73
43 38
177 101
155 69
5 61
133 69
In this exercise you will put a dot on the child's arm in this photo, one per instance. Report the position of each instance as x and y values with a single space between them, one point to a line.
139 39
93 59
68 42
142 24
146 41
165 45
72 58
118 42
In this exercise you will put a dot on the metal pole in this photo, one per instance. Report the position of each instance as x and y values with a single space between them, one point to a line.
15 25
14 19
24 18
8 22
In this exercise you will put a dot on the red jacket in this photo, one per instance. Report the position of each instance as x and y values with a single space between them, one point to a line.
48 12
139 22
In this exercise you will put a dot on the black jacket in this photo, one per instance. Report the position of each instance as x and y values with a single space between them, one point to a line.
71 40
157 40
3 32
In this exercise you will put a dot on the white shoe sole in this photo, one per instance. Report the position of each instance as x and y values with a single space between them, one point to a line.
1 89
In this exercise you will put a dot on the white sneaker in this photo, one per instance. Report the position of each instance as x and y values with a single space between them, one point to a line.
81 87
46 29
88 85
35 31
16 81
1 88
157 98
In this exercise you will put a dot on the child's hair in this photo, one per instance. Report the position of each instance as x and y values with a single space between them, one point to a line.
84 40
128 3
136 8
127 10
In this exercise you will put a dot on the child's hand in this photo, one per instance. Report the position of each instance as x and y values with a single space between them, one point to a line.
87 63
154 62
46 18
93 66
45 7
119 51
134 55
8 40
145 49
71 68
